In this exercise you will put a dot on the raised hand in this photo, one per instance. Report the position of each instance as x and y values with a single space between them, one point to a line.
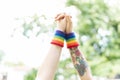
77 56
64 22
69 24
61 22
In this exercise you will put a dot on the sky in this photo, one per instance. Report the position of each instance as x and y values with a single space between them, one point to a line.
18 48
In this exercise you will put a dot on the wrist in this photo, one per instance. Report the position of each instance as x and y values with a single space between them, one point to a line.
71 40
68 32
61 30
58 38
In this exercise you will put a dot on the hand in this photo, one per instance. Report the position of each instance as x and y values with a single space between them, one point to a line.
64 22
61 22
69 24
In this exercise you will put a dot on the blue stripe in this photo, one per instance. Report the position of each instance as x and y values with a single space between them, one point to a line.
69 36
60 33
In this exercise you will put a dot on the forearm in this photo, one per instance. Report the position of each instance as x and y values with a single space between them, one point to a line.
80 64
48 68
78 58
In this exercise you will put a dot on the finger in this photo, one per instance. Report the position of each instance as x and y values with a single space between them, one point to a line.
61 16
70 16
57 15
66 23
67 20
70 21
69 24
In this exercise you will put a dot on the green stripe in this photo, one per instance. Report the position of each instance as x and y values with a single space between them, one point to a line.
71 39
59 37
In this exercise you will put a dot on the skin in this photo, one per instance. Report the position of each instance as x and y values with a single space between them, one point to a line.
47 70
80 64
49 66
78 58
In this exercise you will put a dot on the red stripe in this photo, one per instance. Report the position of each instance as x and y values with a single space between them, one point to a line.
59 43
72 45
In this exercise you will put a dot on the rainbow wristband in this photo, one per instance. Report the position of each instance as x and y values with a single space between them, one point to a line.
71 40
58 38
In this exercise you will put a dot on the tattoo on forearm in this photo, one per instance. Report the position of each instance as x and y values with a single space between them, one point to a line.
78 61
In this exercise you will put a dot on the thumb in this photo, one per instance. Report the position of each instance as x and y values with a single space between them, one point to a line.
69 25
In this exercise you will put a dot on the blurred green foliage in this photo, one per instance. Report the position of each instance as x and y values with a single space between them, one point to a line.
98 30
31 75
36 24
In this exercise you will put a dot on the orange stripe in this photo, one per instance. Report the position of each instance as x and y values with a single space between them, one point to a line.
57 39
56 43
73 42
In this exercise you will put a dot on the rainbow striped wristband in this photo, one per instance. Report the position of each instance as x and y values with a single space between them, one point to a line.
58 38
71 40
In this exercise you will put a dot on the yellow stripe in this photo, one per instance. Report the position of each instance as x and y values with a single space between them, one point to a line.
58 39
72 42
